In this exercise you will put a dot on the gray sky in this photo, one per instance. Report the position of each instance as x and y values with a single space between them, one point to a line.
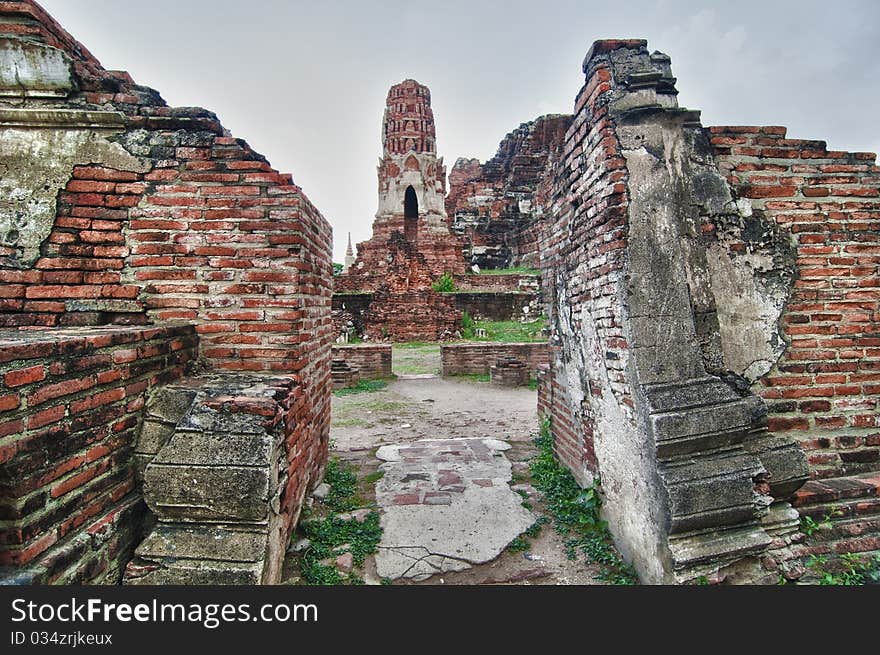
305 82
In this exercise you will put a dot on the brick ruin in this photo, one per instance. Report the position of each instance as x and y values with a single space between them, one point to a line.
411 246
145 249
713 296
497 207
420 233
165 302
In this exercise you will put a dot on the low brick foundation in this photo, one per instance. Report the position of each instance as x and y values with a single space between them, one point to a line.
521 282
69 409
852 504
509 372
372 360
343 375
476 358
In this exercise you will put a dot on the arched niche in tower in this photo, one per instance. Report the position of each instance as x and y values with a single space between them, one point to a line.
410 215
410 204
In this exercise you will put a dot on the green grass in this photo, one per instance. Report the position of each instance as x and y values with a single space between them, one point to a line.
332 536
372 478
415 358
575 513
364 386
849 569
444 283
343 487
511 331
361 405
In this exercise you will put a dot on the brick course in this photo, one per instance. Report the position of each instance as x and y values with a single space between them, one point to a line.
372 360
476 358
825 389
65 449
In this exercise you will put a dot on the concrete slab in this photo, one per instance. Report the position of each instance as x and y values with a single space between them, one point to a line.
445 505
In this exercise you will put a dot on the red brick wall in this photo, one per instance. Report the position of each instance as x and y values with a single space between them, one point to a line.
222 239
82 260
411 316
506 282
495 204
69 407
476 358
372 360
210 234
583 252
825 389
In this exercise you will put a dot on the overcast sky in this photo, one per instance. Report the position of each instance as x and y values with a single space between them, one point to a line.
305 82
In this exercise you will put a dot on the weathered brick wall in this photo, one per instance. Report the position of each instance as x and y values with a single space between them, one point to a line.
637 391
373 360
348 310
69 411
492 205
78 278
505 282
146 214
825 389
205 231
476 358
411 316
498 305
589 226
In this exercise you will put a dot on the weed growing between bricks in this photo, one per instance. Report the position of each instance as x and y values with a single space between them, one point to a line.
849 570
575 513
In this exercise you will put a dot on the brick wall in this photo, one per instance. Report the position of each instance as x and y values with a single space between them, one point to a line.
505 282
160 216
825 389
493 204
411 316
373 360
210 232
499 305
583 249
71 401
476 358
78 278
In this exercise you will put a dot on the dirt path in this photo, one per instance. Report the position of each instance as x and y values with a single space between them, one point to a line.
458 410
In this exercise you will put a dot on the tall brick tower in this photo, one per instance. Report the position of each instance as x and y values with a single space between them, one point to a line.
412 180
412 245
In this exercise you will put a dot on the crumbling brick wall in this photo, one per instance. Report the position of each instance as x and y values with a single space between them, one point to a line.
813 217
496 206
638 392
69 413
372 360
476 358
146 214
825 388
